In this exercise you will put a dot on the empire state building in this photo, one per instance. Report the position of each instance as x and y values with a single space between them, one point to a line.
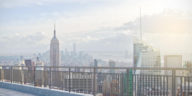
54 51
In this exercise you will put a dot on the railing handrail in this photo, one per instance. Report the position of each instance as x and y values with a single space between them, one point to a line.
88 67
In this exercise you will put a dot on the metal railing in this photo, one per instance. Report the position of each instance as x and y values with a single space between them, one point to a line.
104 81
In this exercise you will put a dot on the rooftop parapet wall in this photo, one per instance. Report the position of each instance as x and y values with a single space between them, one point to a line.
37 91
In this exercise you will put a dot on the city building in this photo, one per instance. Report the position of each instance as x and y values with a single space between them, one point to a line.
39 64
146 56
75 57
111 65
55 59
173 61
54 51
29 63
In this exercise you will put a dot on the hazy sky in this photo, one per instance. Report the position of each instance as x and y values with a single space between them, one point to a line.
26 26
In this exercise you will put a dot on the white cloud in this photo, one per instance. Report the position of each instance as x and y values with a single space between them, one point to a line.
90 25
27 3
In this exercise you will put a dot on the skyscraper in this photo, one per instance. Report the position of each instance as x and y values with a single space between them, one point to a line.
54 51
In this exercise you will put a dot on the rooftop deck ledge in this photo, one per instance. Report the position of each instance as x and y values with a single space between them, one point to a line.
38 90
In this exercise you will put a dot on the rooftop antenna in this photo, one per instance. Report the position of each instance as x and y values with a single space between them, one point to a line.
140 26
54 31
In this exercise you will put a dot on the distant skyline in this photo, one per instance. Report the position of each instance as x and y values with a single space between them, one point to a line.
26 25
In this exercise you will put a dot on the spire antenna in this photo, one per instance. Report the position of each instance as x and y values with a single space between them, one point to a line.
54 31
140 23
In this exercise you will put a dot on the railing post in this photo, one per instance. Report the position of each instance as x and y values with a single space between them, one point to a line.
173 82
128 82
1 73
22 75
11 74
34 75
94 81
69 80
50 75
43 81
134 86
63 78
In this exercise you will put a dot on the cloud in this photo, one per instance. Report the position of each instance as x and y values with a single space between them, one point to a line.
28 3
92 25
170 32
19 45
16 3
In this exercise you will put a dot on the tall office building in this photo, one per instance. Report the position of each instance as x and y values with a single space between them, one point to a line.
55 60
146 56
54 51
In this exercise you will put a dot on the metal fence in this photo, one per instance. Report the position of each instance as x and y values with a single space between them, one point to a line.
104 81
